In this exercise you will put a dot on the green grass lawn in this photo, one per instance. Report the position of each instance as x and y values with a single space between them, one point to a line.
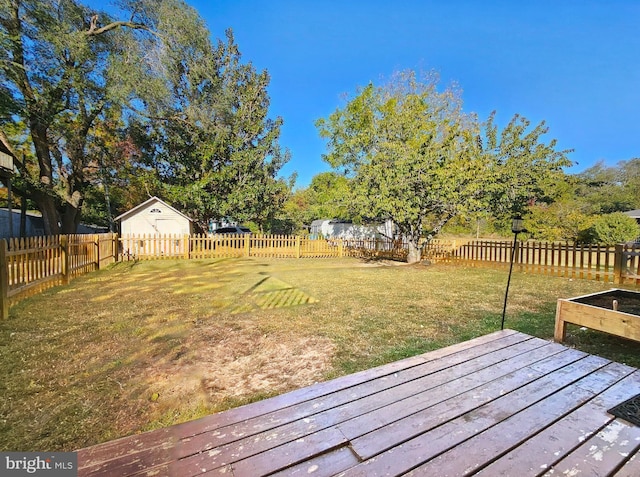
149 344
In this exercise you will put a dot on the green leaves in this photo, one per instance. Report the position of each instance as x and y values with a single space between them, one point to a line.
417 159
192 118
606 189
522 168
407 147
214 147
614 228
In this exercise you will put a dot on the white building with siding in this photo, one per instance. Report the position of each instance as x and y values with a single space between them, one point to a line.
154 217
142 227
345 230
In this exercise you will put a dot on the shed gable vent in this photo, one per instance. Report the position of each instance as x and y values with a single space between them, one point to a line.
155 211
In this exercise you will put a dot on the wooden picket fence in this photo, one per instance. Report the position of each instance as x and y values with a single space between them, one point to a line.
30 265
150 247
154 247
618 264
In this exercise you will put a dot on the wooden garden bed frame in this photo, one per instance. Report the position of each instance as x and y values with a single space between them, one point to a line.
613 322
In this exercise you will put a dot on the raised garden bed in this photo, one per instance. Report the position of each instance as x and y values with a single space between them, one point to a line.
615 311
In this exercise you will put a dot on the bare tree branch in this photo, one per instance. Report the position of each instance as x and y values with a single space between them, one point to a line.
94 30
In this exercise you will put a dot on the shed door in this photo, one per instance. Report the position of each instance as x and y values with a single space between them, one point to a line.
172 243
167 227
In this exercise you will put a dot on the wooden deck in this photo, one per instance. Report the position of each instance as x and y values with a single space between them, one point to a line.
502 404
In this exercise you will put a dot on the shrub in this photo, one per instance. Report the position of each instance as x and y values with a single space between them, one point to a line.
557 221
611 229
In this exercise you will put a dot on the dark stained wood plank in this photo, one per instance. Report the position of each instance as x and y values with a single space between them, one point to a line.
411 380
434 388
403 407
412 442
517 386
544 449
325 465
159 471
130 464
601 453
485 447
255 442
291 453
126 446
631 468
253 445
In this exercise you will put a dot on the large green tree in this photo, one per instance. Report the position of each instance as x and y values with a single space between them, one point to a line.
187 115
606 189
55 64
415 157
328 197
581 199
407 147
522 168
205 127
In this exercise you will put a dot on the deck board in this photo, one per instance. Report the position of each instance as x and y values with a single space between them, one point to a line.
631 468
563 436
487 446
502 402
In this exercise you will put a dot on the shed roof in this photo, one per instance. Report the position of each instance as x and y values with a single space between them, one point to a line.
5 149
146 203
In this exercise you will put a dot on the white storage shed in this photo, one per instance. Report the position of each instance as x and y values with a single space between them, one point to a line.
154 217
154 228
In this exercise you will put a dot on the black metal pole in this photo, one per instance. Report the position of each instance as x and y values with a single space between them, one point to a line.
506 293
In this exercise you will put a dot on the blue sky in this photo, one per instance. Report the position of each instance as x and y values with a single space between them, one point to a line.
573 63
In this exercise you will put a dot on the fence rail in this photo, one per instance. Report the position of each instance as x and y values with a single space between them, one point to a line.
152 247
148 247
28 266
618 264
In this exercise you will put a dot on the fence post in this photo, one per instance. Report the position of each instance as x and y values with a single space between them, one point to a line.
340 248
187 246
4 281
96 240
64 258
247 244
115 247
617 263
298 253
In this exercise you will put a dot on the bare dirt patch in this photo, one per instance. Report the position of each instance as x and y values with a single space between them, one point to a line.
215 364
381 262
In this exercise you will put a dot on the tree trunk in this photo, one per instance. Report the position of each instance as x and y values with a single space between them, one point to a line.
71 214
415 252
70 219
47 205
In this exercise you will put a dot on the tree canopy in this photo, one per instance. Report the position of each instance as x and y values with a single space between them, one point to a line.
607 189
89 100
415 157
